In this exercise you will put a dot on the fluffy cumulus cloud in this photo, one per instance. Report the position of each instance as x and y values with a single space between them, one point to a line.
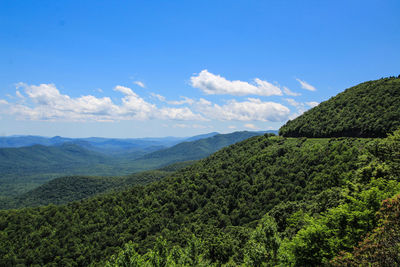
252 109
179 114
45 102
212 84
306 85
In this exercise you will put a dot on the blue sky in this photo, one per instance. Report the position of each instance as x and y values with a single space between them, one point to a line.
180 68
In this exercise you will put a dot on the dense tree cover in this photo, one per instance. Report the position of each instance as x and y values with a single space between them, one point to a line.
267 201
260 250
23 169
193 150
220 200
370 109
71 188
323 234
382 246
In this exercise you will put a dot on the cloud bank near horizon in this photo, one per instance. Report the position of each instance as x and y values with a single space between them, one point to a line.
45 102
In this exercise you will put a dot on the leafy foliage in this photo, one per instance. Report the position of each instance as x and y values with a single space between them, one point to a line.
220 200
71 188
382 246
370 109
266 201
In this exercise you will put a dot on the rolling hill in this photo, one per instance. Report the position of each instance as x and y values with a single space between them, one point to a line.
22 169
193 150
370 109
110 146
71 188
267 200
219 200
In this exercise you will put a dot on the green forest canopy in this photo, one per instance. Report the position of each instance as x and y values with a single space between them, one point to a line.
219 200
370 109
265 201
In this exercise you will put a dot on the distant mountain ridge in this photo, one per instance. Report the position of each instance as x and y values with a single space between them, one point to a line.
193 150
101 144
24 168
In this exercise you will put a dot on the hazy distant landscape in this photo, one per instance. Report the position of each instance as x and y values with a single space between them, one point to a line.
261 198
23 168
187 133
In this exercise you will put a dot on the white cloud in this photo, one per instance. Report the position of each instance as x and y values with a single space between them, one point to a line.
287 91
232 127
251 110
185 100
124 90
159 97
139 83
301 107
45 102
179 114
251 126
293 102
312 104
19 95
212 84
306 85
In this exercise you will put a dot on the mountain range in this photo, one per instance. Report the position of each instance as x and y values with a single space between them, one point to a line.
288 200
24 168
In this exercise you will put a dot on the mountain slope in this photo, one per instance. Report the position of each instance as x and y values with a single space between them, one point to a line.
24 168
218 199
266 200
370 109
193 150
71 188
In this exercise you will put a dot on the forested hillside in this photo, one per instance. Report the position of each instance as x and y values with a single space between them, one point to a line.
370 109
219 202
25 168
193 150
71 188
268 200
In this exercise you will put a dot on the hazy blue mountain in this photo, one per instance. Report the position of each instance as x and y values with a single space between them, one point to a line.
201 136
25 168
193 150
113 146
